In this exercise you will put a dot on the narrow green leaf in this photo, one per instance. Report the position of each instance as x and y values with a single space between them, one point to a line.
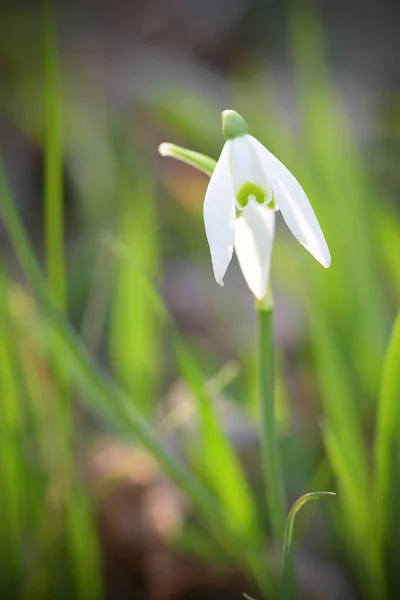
134 330
387 430
388 225
346 451
358 519
12 469
355 261
288 584
54 201
287 542
82 540
219 461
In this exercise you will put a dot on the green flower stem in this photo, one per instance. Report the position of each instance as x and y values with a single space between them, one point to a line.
270 460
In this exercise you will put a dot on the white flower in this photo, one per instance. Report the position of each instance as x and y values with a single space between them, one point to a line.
245 181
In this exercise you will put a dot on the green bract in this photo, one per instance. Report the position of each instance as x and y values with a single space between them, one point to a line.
233 125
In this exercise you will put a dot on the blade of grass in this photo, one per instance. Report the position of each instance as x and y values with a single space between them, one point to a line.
97 302
288 584
221 466
336 189
83 579
387 431
219 461
347 453
54 208
61 525
134 332
83 546
358 519
39 438
388 224
337 393
12 474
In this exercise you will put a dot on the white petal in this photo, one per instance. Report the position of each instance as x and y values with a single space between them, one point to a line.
294 204
219 215
246 169
254 237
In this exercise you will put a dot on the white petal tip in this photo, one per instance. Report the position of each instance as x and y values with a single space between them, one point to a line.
165 149
326 261
220 282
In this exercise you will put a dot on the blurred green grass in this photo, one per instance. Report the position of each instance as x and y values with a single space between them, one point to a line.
48 538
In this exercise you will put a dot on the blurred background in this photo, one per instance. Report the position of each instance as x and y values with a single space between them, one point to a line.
88 90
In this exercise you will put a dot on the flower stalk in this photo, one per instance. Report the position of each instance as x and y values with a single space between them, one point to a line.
270 459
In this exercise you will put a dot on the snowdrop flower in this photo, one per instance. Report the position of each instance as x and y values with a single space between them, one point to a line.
247 186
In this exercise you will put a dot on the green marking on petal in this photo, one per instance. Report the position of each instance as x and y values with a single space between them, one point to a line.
250 189
273 205
239 213
233 125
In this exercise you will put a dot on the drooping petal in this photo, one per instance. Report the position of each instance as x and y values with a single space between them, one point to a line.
219 215
294 204
254 237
